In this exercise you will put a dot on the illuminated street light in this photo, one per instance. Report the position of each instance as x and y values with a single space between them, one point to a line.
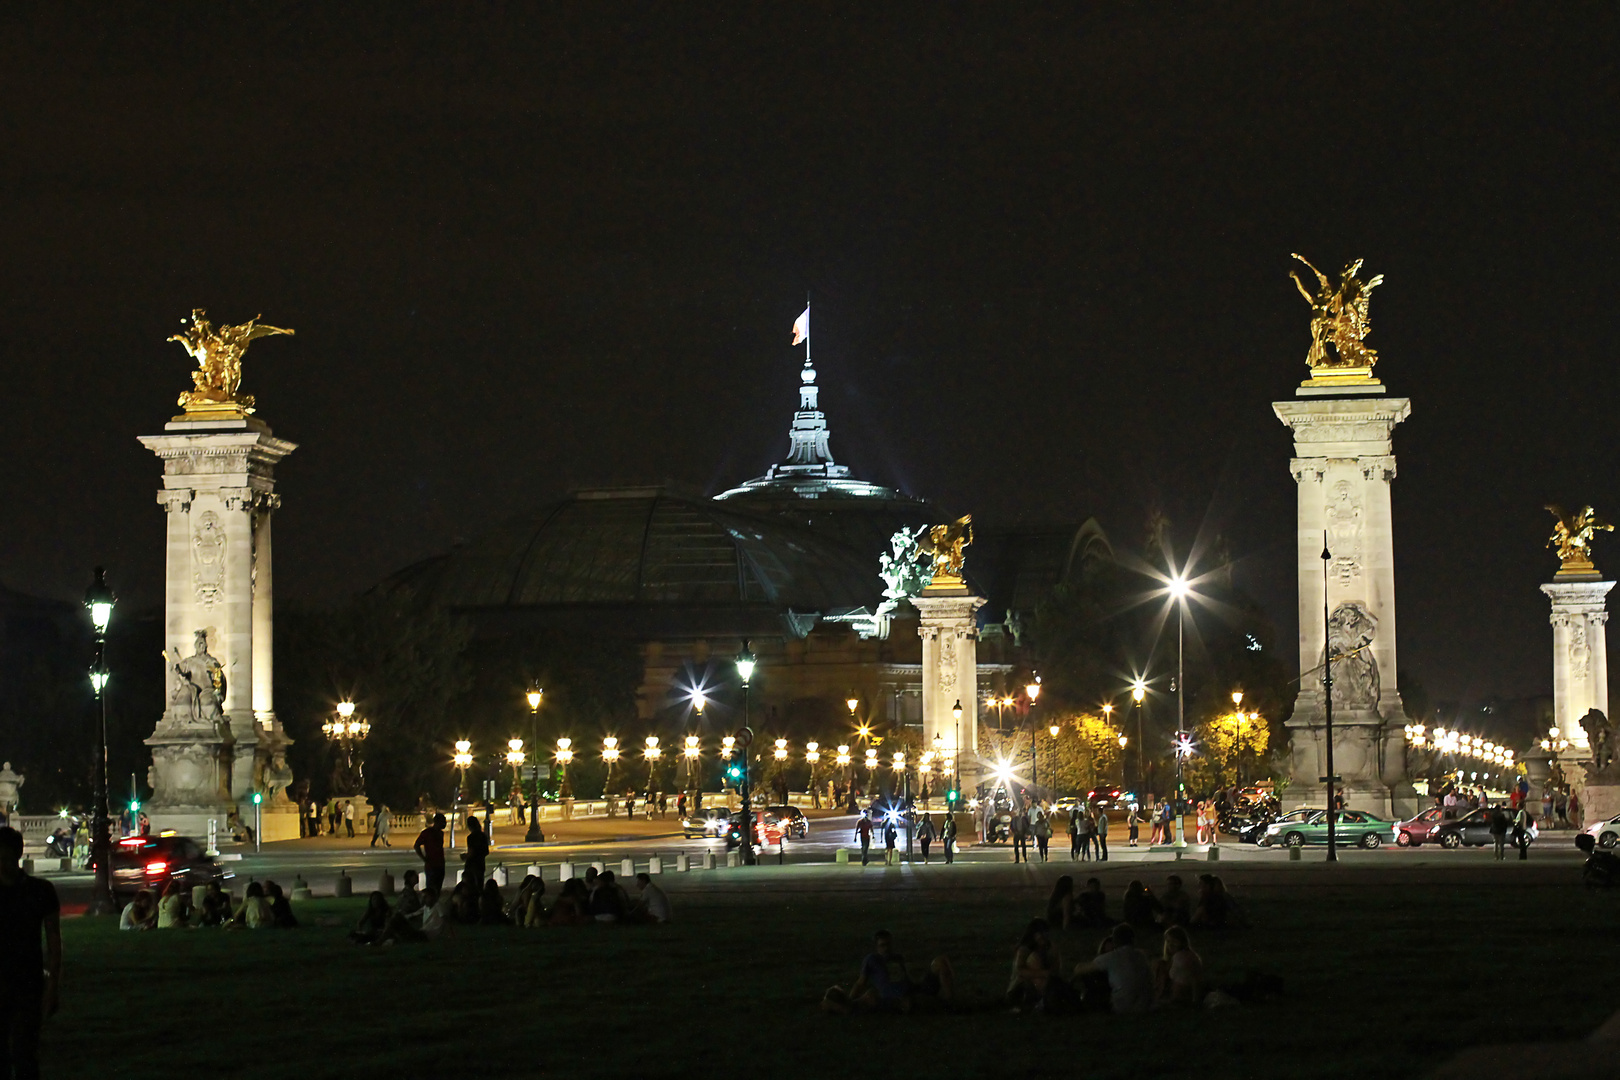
1180 590
745 674
652 754
698 700
565 755
535 835
99 600
610 754
1032 691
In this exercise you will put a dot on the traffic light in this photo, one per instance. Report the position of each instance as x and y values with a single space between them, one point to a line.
134 806
258 797
952 795
734 772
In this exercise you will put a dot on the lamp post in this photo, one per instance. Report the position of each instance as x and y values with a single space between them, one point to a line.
99 600
515 758
652 754
345 731
1327 703
535 835
610 754
462 759
1033 692
781 754
956 750
746 662
728 749
565 754
1138 695
812 755
689 759
842 760
871 769
1179 590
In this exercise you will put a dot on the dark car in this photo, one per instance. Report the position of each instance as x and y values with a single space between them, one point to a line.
150 862
792 819
1473 829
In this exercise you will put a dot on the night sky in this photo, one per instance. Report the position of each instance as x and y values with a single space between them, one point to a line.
529 248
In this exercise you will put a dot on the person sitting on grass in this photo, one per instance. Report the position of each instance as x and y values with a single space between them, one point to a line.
255 910
573 907
373 922
885 984
1036 981
527 908
1175 904
410 899
216 905
1091 906
652 905
1141 908
140 913
492 906
464 903
1178 977
173 907
1211 909
1130 979
281 913
608 902
1060 913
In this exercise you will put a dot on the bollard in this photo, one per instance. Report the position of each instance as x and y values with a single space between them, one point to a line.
841 856
534 871
891 857
300 890
197 894
599 865
627 869
732 858
500 875
708 860
655 865
1293 854
565 870
345 887
385 884
1214 853
680 864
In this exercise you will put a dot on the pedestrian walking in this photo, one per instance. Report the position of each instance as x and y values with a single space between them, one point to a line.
680 805
1100 834
1521 833
1561 807
925 835
1020 834
429 847
1041 825
477 852
1499 829
385 822
663 804
863 833
1074 835
890 835
630 807
348 817
947 838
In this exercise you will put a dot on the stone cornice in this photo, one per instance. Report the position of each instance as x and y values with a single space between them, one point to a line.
1578 597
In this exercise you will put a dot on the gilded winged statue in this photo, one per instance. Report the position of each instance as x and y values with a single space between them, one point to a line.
1572 535
218 352
1339 317
947 544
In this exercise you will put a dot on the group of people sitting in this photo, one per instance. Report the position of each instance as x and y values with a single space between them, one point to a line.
263 907
596 898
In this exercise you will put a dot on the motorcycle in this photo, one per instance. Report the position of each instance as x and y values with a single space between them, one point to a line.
59 845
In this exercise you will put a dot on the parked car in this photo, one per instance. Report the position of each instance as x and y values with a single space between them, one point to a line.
793 820
1351 828
1473 828
708 822
1417 831
149 862
1606 833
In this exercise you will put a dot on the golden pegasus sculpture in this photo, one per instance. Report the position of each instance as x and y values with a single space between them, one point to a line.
1339 318
218 352
947 544
1572 536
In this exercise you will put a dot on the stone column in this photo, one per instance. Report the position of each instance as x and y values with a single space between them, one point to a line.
218 488
950 670
1343 467
1580 653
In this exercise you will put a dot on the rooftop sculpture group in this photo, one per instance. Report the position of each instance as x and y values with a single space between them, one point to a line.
218 352
1572 537
1339 318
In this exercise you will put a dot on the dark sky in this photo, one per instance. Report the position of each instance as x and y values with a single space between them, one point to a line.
529 248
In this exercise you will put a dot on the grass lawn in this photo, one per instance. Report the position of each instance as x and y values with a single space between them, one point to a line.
1390 965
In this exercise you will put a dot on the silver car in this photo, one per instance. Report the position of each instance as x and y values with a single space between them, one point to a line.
709 822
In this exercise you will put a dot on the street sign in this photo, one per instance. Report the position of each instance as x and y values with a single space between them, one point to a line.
745 736
1325 779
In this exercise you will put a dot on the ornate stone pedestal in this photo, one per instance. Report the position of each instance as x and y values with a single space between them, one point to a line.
219 492
1580 652
1343 466
950 671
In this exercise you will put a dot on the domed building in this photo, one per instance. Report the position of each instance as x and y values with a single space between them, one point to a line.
788 561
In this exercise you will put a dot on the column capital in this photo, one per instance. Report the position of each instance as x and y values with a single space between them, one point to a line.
1308 468
172 499
1379 467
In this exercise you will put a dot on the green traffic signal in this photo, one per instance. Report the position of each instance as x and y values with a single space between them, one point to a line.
258 798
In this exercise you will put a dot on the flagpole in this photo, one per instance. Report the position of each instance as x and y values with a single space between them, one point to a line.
807 328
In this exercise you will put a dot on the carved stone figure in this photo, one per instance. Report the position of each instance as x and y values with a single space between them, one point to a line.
218 352
203 695
1572 536
903 575
208 559
1344 532
10 786
1600 738
1355 677
1339 318
947 544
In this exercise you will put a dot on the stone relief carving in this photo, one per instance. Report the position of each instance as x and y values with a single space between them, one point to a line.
208 559
199 692
947 664
1355 678
1344 532
1580 652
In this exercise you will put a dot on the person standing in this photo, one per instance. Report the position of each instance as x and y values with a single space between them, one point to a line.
1100 833
1574 810
1547 806
925 835
348 817
1499 828
429 847
1042 827
1521 832
30 959
1133 823
680 806
477 851
947 837
863 832
385 822
1085 829
1074 835
890 835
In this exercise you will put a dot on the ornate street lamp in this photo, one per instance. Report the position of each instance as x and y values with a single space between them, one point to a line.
515 758
746 662
689 758
842 760
1138 694
1179 590
728 749
1032 691
812 754
345 731
565 754
652 754
535 835
610 754
462 759
99 599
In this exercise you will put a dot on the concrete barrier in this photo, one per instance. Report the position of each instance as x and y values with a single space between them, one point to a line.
565 870
385 884
345 885
841 856
534 870
708 860
655 865
733 858
599 865
1214 853
300 889
500 875
680 864
1293 854
627 868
